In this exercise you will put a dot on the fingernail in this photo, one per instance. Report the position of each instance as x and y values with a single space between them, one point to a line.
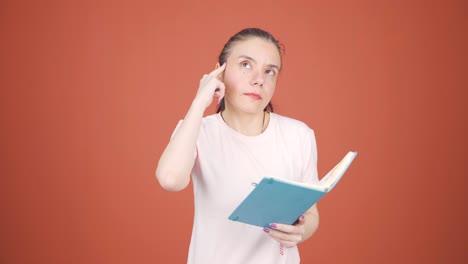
219 100
273 225
302 216
266 230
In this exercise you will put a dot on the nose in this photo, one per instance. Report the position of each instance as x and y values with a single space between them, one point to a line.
257 79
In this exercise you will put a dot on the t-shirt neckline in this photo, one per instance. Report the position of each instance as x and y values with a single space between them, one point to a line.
245 137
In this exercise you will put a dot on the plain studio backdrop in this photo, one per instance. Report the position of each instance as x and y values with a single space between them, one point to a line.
92 90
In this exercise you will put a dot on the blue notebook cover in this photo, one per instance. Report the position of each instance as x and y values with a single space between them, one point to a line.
278 201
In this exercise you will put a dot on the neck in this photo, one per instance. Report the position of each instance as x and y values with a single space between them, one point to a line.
246 124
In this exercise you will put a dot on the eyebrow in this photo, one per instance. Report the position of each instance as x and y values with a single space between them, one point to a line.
252 59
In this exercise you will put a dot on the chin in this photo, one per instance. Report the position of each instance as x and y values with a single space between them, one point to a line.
249 106
253 109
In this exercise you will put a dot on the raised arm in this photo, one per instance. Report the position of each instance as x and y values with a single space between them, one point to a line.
178 158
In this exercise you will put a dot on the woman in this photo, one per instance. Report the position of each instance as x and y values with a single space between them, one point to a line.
229 151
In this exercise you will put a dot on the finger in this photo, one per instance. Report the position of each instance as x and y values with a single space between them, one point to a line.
285 228
203 78
219 96
286 243
283 237
218 70
220 92
289 244
300 220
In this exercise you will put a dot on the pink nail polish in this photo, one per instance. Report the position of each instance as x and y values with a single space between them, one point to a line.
302 216
273 225
266 230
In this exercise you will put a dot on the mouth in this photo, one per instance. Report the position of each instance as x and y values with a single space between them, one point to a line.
253 96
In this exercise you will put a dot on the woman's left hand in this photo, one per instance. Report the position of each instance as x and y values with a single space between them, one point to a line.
288 235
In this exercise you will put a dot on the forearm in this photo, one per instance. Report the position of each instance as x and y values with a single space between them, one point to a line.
177 160
311 222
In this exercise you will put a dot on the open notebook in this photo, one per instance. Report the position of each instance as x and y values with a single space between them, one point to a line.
281 201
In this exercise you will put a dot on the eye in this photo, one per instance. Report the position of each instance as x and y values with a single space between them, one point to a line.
271 72
246 65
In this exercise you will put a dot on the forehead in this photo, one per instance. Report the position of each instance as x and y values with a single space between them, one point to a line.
259 49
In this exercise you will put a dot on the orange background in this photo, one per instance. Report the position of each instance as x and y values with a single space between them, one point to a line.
91 92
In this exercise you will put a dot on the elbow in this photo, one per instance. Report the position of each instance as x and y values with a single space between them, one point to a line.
171 182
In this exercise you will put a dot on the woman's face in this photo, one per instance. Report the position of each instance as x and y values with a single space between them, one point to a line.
250 75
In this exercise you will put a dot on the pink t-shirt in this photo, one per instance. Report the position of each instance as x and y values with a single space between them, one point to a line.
227 164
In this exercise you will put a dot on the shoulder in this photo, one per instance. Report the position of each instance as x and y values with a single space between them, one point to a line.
293 130
211 125
291 124
210 121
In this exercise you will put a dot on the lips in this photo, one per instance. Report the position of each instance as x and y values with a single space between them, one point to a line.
253 96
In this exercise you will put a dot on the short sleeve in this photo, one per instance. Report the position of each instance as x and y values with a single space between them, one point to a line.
309 155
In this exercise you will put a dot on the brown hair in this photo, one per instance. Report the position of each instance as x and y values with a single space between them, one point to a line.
241 36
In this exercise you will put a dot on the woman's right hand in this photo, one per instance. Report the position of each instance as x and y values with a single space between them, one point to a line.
210 85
